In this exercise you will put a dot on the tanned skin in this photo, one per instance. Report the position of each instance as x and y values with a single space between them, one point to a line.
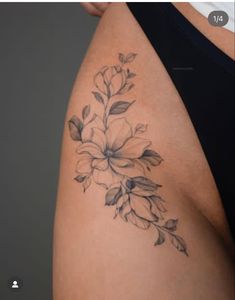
138 213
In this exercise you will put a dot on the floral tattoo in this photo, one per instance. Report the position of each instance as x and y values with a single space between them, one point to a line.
112 154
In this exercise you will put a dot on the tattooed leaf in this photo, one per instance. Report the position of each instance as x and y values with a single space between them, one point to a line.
171 224
98 97
161 238
121 58
130 57
80 178
145 183
86 183
75 128
127 86
86 111
113 195
151 157
140 128
131 75
179 244
119 107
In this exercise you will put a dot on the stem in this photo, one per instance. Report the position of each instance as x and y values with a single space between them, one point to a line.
105 117
163 228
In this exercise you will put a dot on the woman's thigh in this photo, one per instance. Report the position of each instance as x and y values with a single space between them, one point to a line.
177 251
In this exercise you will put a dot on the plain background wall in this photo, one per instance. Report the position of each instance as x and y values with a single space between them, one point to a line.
41 48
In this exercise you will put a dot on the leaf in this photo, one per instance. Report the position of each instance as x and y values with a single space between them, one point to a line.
80 178
119 107
130 57
127 86
140 128
86 184
179 243
152 157
161 238
75 128
121 58
130 74
113 195
98 97
171 224
145 183
86 111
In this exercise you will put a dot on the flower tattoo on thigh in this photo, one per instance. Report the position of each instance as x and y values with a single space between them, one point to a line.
113 154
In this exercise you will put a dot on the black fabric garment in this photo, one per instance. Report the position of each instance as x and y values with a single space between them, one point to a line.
204 77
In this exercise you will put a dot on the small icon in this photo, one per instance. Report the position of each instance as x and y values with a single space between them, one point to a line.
218 18
15 283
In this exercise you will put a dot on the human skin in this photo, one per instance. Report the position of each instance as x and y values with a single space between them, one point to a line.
98 257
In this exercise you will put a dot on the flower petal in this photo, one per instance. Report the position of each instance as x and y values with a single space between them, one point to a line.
131 170
106 178
108 74
135 220
99 83
100 164
142 208
95 122
84 164
122 201
117 82
118 132
124 210
91 149
98 137
121 162
141 192
133 148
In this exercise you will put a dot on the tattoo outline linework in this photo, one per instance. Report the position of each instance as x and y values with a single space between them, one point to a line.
112 153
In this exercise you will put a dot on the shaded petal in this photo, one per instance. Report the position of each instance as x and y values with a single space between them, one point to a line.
108 74
121 162
141 192
118 132
129 170
106 178
98 137
142 208
122 201
100 164
124 210
117 82
84 164
133 148
95 122
99 83
91 149
135 220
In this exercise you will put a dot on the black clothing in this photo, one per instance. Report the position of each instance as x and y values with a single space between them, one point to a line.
204 77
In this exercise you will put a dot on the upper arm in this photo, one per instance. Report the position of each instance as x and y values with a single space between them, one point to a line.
123 188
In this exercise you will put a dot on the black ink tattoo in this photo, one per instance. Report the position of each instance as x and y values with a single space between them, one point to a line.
113 154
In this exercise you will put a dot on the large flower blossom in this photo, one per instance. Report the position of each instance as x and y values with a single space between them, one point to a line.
109 155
